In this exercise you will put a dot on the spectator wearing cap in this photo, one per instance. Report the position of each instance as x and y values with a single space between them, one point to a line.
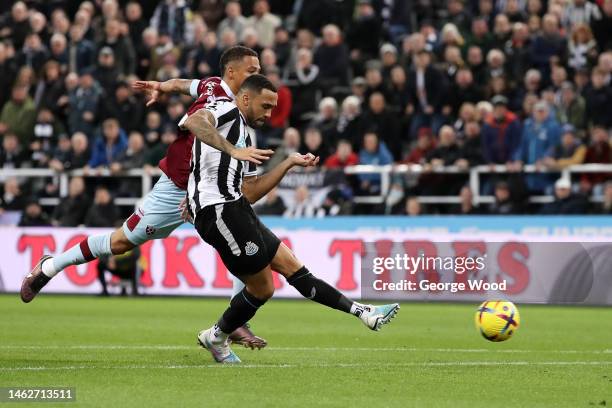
106 73
428 88
234 20
373 152
108 145
332 58
264 23
124 106
598 99
541 133
571 107
501 133
569 152
363 35
83 102
566 202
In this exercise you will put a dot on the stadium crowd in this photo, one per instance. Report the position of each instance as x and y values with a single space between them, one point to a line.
431 82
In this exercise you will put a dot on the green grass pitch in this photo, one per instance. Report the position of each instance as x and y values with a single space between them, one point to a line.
141 352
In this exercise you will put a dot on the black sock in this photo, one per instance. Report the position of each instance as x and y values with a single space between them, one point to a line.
319 291
242 308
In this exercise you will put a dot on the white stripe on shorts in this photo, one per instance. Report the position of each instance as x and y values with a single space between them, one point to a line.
226 232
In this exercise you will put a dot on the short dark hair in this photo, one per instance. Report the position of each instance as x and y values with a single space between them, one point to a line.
235 53
257 83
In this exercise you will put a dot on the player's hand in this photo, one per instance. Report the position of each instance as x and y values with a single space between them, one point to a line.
304 160
252 154
185 215
151 88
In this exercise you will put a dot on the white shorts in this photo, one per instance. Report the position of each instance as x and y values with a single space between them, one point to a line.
158 215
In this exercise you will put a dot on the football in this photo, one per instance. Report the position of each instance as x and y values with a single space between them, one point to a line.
497 320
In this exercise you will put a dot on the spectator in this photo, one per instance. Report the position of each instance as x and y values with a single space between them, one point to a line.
602 28
384 123
50 89
123 266
504 204
302 205
135 21
107 73
598 98
17 25
571 107
124 106
428 88
83 105
282 47
19 114
33 54
157 152
470 151
264 23
174 18
606 205
46 133
152 128
273 204
327 119
599 151
234 20
501 133
34 216
466 205
363 34
77 155
540 134
207 55
582 48
350 122
344 156
373 152
304 80
446 153
580 12
566 202
71 210
103 212
332 58
314 144
567 153
463 90
123 51
548 45
131 158
412 207
290 145
108 145
12 155
12 198
424 146
279 119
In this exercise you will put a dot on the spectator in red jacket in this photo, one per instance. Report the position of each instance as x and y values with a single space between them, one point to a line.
344 156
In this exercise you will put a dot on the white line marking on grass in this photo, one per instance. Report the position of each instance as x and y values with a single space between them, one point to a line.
323 365
315 348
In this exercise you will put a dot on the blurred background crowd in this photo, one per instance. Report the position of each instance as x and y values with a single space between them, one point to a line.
456 83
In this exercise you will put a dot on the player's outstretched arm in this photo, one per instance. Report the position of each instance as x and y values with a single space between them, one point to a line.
154 89
256 187
202 125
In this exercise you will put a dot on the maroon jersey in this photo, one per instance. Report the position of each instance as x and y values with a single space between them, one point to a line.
176 163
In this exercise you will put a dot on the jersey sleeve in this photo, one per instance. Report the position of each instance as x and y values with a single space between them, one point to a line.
250 168
223 112
197 88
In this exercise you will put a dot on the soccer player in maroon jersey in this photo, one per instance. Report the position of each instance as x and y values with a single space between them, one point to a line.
162 209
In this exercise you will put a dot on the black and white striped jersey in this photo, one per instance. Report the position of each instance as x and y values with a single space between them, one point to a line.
216 177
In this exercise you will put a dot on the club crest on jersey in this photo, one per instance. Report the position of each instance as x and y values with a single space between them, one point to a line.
149 230
251 248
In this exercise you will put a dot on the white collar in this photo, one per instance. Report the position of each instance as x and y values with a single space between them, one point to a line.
227 90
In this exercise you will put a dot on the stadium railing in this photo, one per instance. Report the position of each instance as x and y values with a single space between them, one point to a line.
386 172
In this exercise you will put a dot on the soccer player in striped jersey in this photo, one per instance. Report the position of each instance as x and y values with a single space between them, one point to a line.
221 190
161 213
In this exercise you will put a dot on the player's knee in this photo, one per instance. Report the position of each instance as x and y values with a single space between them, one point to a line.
120 244
263 292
